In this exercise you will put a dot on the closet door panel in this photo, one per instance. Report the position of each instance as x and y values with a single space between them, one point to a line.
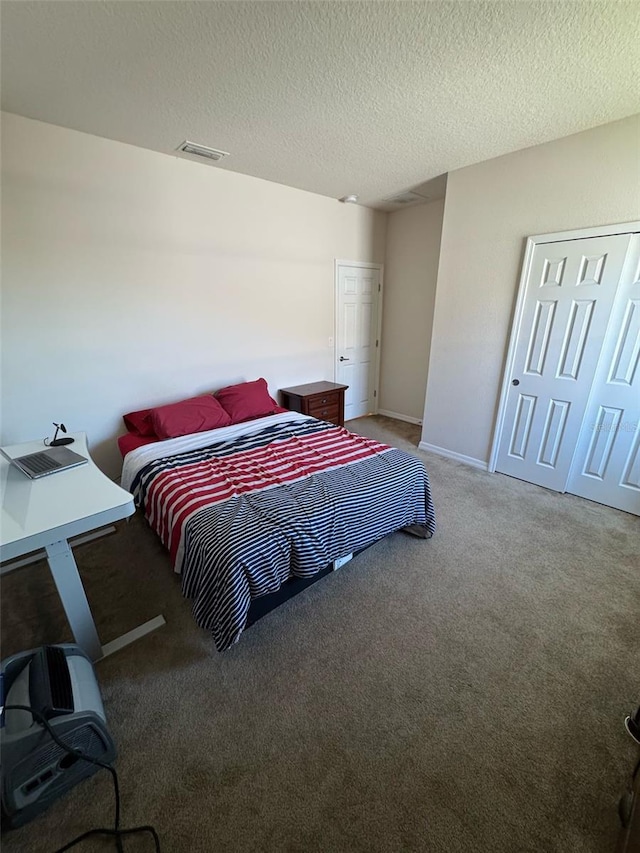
606 465
569 295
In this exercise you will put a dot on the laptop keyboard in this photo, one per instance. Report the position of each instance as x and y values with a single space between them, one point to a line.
40 462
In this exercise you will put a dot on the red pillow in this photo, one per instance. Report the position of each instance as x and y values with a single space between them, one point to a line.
246 400
139 423
196 414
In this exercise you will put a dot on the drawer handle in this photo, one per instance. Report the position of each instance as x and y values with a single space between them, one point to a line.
326 412
324 401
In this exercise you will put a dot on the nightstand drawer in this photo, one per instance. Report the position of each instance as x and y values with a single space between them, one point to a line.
322 401
326 413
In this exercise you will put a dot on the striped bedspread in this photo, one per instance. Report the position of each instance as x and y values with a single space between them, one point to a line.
286 496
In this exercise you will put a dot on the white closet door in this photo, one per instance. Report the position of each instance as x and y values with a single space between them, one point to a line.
606 466
357 324
568 300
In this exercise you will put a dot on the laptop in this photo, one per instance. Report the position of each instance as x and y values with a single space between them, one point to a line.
45 462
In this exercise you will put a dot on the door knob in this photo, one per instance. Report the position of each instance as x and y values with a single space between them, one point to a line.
516 382
342 358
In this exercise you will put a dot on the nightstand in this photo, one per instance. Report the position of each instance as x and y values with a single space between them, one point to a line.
322 400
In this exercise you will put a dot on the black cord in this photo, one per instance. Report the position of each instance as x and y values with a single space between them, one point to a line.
116 832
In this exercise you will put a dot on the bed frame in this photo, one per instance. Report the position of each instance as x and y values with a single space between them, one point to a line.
266 603
259 607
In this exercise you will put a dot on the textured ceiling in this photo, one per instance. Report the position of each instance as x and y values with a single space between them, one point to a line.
333 97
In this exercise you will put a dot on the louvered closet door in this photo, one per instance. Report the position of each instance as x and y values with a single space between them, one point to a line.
568 300
606 466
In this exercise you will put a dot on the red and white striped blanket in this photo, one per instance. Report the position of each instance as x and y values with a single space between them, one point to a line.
286 496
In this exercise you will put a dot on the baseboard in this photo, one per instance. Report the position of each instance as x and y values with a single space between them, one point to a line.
451 454
398 417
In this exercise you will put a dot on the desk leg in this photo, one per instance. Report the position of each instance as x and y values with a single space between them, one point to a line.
69 585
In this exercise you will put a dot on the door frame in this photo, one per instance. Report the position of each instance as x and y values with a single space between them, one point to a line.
530 246
340 262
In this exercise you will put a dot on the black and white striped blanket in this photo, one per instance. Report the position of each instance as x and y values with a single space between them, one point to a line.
242 515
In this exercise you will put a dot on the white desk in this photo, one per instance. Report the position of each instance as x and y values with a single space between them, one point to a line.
46 513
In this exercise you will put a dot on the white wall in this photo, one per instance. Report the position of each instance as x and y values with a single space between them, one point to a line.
411 267
133 278
589 179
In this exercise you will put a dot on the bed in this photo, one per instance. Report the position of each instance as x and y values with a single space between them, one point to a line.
246 507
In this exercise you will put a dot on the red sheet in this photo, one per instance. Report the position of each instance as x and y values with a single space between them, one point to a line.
129 441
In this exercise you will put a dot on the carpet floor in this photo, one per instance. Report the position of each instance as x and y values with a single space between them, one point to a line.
464 693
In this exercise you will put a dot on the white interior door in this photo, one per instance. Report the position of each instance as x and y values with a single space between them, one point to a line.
606 465
568 300
358 290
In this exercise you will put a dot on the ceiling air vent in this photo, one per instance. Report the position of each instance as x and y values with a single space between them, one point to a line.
405 198
192 148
